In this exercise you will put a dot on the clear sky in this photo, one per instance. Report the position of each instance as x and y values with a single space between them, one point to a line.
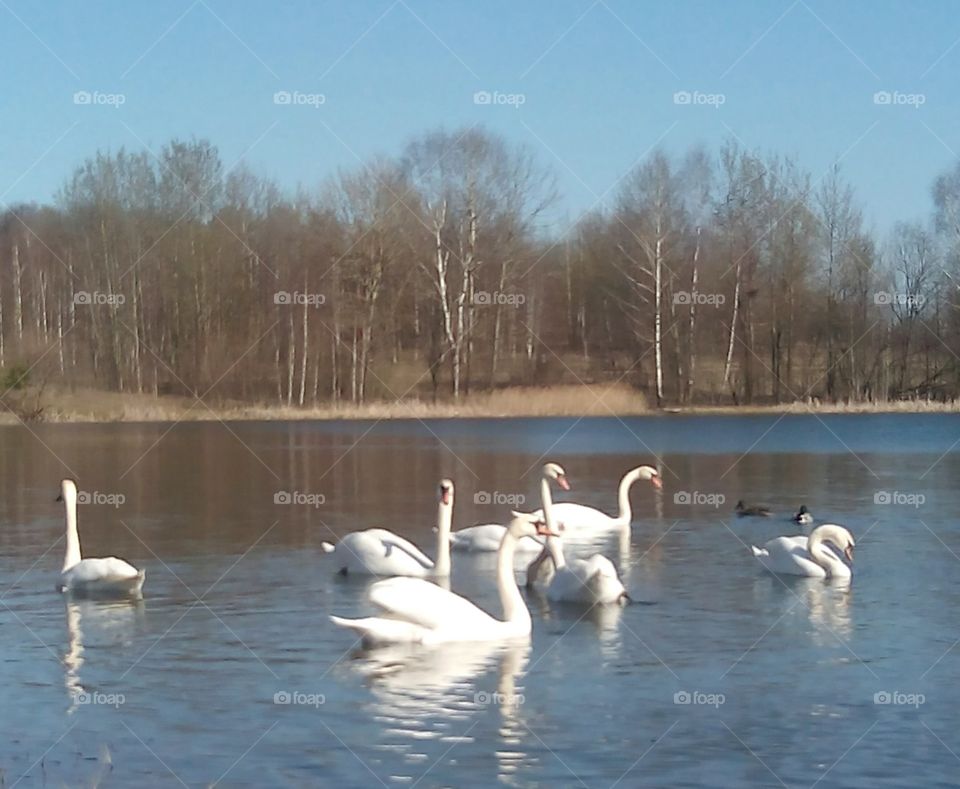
597 81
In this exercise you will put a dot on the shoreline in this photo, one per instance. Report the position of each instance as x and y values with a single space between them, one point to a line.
91 407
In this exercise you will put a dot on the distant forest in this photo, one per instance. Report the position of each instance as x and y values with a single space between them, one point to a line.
711 277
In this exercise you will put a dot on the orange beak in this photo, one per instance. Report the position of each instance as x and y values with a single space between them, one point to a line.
656 482
543 531
445 495
849 553
562 482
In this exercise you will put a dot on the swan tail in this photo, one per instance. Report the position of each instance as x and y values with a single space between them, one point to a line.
328 547
759 551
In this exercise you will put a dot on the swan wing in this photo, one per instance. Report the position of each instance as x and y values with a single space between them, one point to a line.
425 604
381 552
393 542
789 556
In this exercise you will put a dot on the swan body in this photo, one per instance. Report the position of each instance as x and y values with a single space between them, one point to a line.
487 539
809 556
757 511
575 517
94 577
381 552
592 581
803 516
419 612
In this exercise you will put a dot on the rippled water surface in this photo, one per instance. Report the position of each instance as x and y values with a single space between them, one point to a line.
782 677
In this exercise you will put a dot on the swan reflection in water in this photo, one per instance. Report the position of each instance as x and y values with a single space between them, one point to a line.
438 693
106 620
825 602
605 619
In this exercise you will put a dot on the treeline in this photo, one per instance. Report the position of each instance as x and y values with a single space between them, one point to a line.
726 277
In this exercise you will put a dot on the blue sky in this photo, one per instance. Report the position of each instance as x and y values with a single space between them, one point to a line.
597 81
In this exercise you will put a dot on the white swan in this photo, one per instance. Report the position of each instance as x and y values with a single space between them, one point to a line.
579 517
809 556
109 576
592 581
487 538
417 611
381 552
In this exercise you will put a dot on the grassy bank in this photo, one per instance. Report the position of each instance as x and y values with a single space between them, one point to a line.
817 407
94 406
595 400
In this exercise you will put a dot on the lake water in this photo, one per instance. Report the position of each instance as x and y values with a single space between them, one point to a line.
782 676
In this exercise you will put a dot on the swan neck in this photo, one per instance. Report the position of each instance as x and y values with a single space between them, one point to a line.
72 554
556 552
623 497
533 569
444 518
514 609
546 502
821 555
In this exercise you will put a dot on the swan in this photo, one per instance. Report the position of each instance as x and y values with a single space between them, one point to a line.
109 576
487 538
419 612
758 511
579 517
593 580
808 555
803 516
381 552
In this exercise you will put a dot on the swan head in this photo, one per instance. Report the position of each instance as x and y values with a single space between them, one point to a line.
523 524
555 472
837 536
651 475
446 492
68 490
